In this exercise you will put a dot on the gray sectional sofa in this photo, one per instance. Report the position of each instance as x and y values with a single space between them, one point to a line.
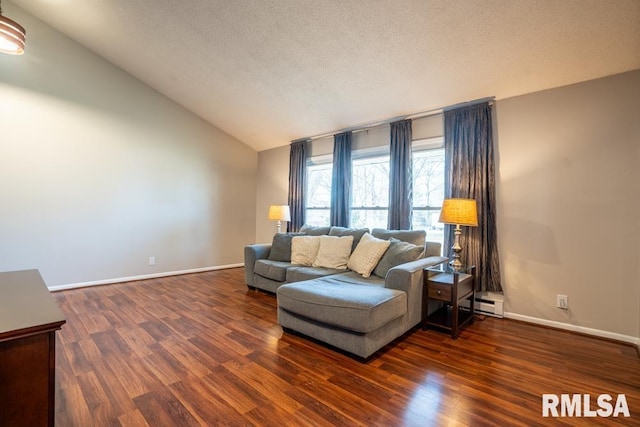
340 307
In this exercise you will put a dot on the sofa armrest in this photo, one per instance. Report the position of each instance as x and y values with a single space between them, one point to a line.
408 278
252 253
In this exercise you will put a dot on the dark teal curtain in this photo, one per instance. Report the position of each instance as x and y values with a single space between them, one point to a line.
400 177
470 173
341 180
297 184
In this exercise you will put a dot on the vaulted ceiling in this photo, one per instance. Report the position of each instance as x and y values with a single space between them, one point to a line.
270 71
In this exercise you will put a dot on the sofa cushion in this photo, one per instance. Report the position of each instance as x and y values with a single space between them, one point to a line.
357 234
281 246
358 308
333 252
274 270
301 273
351 277
304 249
311 230
398 253
367 254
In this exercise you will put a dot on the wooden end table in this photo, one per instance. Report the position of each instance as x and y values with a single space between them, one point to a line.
449 287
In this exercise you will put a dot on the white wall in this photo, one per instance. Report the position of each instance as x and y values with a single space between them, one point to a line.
99 172
272 189
568 205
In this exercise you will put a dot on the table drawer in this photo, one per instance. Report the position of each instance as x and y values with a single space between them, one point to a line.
440 292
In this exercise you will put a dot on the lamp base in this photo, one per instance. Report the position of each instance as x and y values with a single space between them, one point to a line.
456 263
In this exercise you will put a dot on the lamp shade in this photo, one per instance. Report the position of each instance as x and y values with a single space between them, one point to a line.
279 213
459 212
12 36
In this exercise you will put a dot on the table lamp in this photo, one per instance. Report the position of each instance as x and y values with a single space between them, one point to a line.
458 212
279 213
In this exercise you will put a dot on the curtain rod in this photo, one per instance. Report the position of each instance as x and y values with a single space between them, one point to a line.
420 115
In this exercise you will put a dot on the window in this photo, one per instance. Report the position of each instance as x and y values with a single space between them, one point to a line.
428 191
370 188
370 192
318 200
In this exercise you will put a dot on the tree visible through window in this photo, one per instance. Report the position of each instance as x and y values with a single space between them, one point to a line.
318 198
428 192
370 192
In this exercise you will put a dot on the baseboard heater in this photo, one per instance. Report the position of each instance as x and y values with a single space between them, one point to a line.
489 307
487 304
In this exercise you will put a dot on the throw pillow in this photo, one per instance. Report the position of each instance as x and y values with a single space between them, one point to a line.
281 246
304 249
398 253
334 252
416 237
311 230
357 234
367 254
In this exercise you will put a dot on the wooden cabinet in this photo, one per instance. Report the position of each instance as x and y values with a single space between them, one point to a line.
29 318
449 287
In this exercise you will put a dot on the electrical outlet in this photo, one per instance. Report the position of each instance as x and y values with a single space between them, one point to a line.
562 301
152 260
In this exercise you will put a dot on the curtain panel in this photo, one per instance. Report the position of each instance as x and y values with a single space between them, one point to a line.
400 176
341 180
297 184
470 173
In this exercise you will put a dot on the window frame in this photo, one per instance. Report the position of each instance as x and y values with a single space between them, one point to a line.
380 152
320 160
422 145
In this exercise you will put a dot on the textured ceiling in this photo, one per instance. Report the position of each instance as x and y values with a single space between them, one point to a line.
270 71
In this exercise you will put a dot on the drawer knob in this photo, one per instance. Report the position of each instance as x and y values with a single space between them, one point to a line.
439 292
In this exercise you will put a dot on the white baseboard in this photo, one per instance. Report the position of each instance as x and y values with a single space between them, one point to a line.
574 328
142 277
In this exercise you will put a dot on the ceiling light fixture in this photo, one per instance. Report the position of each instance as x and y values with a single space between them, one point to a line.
12 35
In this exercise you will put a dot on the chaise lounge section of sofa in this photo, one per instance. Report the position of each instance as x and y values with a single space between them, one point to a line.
340 307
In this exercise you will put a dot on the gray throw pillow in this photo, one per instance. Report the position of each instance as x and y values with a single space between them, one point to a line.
281 246
357 234
417 237
398 253
311 230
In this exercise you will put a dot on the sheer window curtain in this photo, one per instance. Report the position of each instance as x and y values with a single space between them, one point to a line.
470 173
400 176
297 184
341 180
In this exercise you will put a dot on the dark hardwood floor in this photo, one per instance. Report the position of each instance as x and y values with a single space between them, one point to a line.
202 349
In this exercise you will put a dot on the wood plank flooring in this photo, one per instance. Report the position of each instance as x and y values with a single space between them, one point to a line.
202 349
